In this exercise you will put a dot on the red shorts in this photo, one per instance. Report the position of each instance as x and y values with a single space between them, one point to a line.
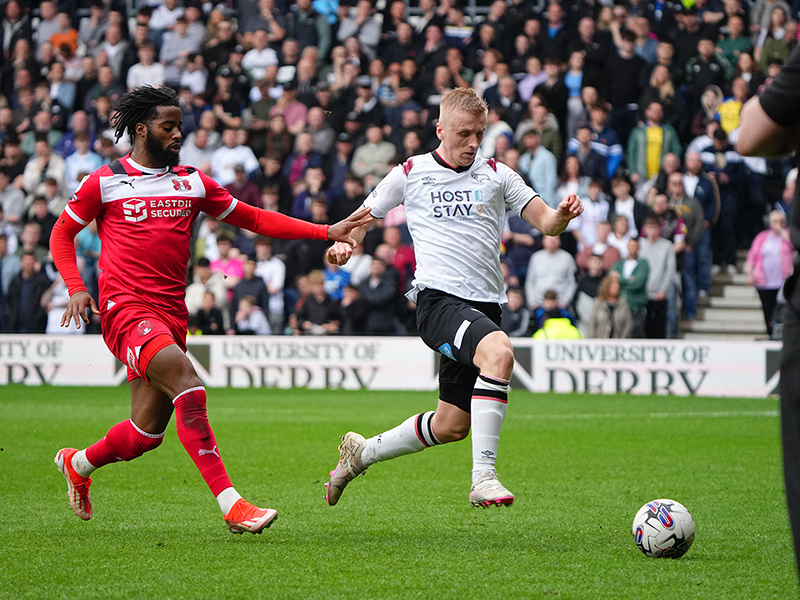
131 323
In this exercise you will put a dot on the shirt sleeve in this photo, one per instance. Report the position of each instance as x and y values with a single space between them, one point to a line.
86 202
389 193
218 201
781 99
516 193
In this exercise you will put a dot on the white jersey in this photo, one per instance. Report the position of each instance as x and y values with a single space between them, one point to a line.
456 218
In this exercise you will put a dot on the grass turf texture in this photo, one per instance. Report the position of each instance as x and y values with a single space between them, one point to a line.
580 466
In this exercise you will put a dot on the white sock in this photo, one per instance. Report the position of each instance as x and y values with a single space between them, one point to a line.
488 408
227 498
82 466
412 435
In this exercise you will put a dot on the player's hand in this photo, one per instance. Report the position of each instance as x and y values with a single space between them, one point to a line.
76 309
339 253
340 232
570 207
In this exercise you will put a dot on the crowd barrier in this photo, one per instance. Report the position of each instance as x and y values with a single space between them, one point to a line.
669 367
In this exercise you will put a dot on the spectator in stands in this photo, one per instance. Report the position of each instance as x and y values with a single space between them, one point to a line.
318 314
769 263
147 70
272 271
706 68
516 317
607 245
550 269
550 303
250 319
624 204
633 273
10 266
243 188
572 180
359 265
354 311
206 280
42 165
176 48
611 316
650 142
724 165
362 25
736 42
46 220
371 160
660 256
230 154
544 122
303 158
12 200
80 163
624 74
698 185
586 294
25 311
595 211
29 242
209 318
380 293
540 166
251 285
521 240
555 326
593 164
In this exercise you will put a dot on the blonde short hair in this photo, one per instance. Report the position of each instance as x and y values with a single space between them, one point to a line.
462 99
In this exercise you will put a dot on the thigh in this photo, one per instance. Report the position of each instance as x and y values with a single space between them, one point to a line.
455 327
129 326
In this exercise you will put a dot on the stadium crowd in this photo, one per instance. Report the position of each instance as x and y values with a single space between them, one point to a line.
304 107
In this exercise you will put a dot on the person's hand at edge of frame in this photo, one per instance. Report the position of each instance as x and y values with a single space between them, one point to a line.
340 232
570 207
76 309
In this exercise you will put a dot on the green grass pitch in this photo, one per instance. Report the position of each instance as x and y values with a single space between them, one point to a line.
580 466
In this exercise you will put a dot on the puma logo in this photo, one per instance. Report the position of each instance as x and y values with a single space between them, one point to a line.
213 451
127 182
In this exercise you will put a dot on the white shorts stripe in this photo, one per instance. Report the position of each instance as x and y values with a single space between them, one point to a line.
228 210
72 214
154 436
460 333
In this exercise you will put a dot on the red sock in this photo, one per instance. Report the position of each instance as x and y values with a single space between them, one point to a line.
195 434
124 441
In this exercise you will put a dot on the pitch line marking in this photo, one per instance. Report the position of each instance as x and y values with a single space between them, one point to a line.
678 415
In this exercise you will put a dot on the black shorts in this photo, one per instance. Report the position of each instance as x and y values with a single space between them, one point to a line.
454 327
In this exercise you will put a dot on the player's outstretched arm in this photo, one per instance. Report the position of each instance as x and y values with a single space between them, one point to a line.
340 252
276 225
552 221
62 247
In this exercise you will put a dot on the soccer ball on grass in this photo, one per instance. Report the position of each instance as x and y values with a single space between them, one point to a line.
663 529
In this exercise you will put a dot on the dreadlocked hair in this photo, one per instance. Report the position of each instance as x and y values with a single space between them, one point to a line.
140 105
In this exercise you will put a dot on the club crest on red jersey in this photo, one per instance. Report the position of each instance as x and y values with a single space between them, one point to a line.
181 185
144 327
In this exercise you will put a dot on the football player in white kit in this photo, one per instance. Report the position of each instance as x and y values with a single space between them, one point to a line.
455 203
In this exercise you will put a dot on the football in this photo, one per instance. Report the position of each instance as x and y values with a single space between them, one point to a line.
663 529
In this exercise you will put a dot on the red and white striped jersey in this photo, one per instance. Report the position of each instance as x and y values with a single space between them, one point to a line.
144 221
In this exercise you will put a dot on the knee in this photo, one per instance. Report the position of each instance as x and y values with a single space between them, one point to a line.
495 356
452 434
503 360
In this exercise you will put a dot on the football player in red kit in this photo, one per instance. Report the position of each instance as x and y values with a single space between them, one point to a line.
145 205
